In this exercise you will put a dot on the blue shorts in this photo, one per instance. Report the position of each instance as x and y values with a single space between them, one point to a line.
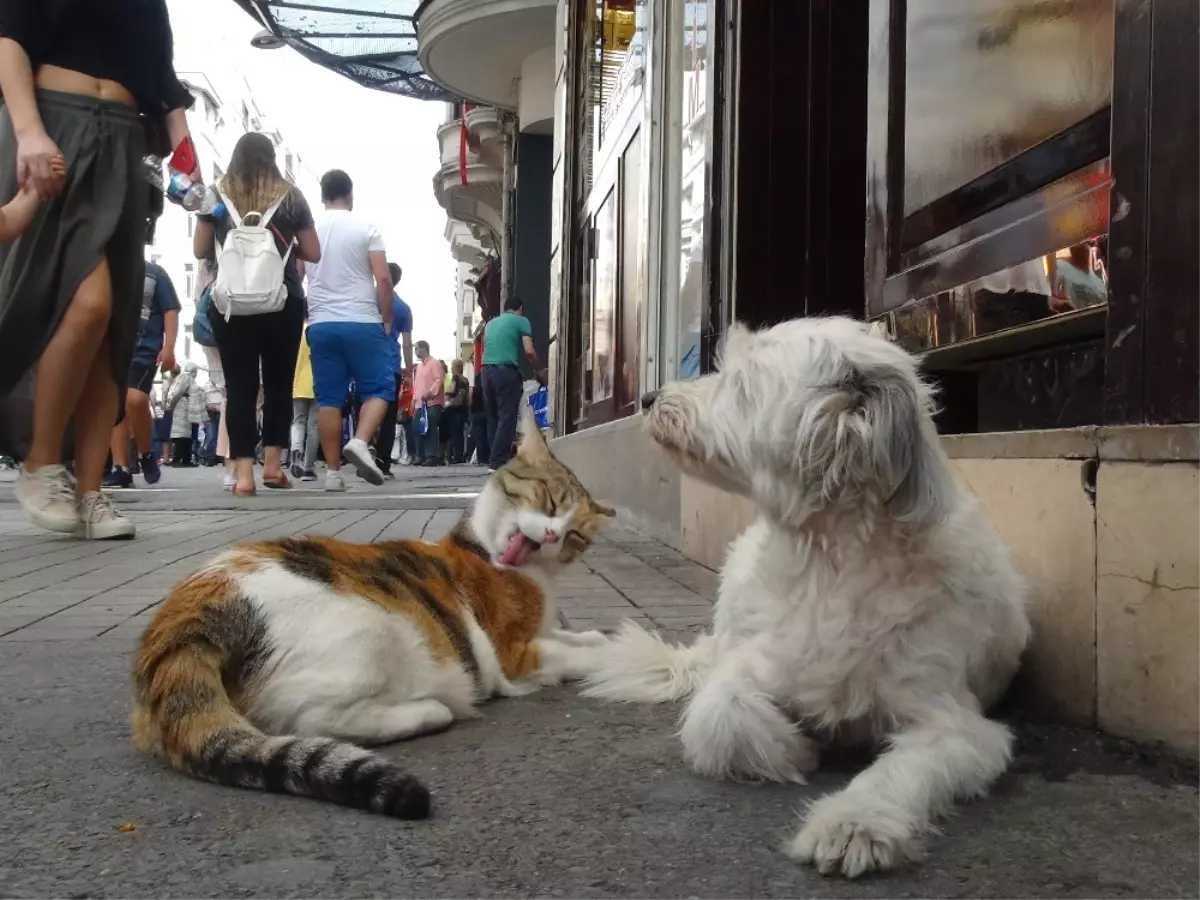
341 351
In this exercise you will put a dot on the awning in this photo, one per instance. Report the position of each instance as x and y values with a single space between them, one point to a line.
371 42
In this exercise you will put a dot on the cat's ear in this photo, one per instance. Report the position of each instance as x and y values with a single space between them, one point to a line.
533 444
603 509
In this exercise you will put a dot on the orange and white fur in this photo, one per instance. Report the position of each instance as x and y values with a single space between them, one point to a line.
269 667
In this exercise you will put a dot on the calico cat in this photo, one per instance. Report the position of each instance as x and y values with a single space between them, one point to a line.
270 666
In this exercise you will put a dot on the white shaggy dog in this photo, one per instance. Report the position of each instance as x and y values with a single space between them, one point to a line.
869 600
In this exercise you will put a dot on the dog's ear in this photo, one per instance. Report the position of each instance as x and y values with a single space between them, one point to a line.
901 453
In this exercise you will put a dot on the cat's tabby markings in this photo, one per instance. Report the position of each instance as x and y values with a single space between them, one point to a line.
270 667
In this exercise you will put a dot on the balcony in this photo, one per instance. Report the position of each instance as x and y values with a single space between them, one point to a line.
466 246
483 124
475 199
493 52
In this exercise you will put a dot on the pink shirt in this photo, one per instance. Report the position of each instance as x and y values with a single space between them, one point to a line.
431 377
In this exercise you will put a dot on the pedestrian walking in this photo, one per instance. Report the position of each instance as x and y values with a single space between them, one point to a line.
429 398
155 350
74 75
350 309
305 442
506 339
186 401
258 352
455 416
401 336
479 447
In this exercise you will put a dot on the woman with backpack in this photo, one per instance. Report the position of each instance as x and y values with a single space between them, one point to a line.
248 338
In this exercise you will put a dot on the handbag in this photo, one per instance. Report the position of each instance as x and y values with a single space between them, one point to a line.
201 328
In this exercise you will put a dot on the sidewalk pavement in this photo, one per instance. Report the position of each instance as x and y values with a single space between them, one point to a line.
62 589
550 795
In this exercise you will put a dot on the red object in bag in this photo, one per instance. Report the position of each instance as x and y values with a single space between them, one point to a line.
184 158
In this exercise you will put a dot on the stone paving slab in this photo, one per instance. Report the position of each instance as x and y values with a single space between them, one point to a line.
56 588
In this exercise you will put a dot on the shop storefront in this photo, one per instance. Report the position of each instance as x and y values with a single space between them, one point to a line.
1009 186
632 187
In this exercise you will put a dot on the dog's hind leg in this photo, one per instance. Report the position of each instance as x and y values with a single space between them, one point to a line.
877 822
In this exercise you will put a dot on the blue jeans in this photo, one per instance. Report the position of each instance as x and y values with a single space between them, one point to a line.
428 442
503 388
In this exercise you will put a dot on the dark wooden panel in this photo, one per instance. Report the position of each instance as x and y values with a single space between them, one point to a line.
1171 381
838 159
1123 400
1061 387
772 141
801 119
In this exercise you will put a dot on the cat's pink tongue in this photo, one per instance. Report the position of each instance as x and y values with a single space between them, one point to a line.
518 551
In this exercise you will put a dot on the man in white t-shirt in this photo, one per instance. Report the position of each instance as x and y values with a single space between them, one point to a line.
349 317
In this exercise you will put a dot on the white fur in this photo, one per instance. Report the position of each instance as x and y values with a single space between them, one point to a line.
870 598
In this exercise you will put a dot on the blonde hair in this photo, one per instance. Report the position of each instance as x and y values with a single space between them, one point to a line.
253 182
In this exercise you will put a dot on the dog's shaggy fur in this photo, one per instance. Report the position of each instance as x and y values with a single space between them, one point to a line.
870 600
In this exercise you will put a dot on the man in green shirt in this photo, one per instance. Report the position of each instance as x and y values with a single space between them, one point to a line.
506 339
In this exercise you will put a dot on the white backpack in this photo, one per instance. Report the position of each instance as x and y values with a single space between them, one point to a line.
249 268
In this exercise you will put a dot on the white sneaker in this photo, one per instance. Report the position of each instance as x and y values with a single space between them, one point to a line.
47 498
101 521
334 482
358 454
227 482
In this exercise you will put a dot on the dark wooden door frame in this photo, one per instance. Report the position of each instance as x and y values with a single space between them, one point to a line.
1152 344
800 116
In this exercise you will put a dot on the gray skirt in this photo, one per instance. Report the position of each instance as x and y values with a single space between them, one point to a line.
100 213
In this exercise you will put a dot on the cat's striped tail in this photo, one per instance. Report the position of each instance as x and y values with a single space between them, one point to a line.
183 712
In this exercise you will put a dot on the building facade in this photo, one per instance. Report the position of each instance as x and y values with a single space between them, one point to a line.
995 182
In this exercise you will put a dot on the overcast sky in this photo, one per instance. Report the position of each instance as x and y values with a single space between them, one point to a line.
387 144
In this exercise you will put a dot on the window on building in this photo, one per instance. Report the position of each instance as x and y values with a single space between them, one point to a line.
189 269
687 189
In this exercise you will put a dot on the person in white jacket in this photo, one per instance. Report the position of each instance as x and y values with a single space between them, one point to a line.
186 400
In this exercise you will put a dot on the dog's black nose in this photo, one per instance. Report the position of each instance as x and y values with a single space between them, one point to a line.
648 399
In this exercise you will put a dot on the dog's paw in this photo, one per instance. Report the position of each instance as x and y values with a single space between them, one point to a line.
843 837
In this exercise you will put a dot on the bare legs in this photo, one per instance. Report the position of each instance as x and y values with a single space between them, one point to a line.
75 350
369 419
94 416
329 430
138 422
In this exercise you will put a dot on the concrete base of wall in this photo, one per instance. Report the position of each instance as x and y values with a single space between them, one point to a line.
1104 523
619 465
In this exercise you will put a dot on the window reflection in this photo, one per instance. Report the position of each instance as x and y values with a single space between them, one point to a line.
605 305
618 60
1070 281
693 187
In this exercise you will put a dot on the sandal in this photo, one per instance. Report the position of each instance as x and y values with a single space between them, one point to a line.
238 492
279 483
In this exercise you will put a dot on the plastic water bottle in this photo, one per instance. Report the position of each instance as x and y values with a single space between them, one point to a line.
191 195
